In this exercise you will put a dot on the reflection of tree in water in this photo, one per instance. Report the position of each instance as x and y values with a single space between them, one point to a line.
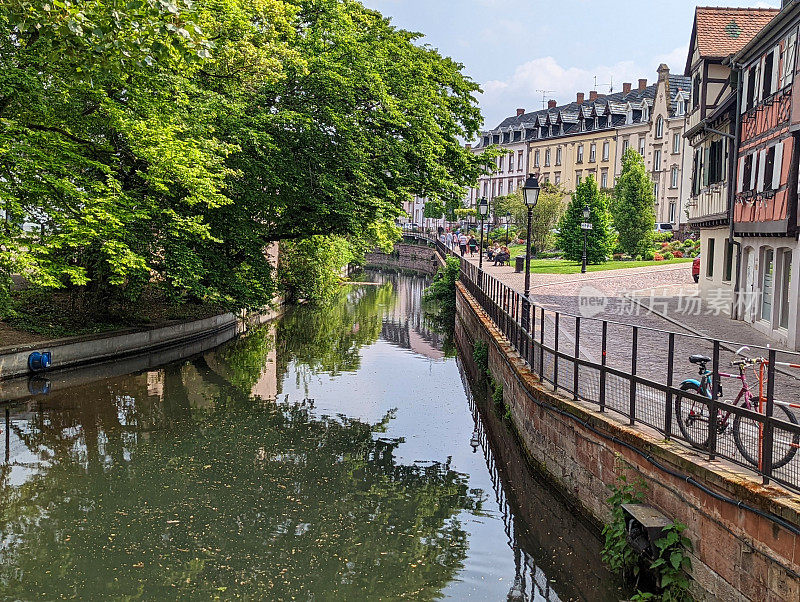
248 499
328 338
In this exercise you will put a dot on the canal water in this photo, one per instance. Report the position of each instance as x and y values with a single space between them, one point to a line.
336 454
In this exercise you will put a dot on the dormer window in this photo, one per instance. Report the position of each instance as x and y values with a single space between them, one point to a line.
560 129
645 113
550 130
629 116
681 108
596 123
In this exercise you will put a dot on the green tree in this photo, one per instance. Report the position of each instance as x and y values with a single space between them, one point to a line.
600 239
544 217
434 209
633 205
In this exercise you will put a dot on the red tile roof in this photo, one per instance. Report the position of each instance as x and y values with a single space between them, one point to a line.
722 31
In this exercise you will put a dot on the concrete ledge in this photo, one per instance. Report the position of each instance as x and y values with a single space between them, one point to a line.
101 347
739 555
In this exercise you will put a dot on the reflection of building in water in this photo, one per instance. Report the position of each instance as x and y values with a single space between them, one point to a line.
404 324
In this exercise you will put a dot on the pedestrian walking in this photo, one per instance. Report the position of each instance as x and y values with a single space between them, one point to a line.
462 243
448 240
473 245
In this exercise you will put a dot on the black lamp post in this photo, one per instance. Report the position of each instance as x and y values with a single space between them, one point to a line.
483 210
585 226
530 193
508 220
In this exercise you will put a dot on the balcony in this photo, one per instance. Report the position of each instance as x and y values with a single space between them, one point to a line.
710 207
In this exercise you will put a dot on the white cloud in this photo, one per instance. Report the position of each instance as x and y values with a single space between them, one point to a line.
501 98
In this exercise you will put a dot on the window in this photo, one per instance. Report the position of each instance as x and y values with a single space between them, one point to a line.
645 113
626 144
604 179
696 167
547 158
672 212
680 109
558 178
728 264
500 161
578 177
767 82
511 162
500 188
536 159
660 127
769 168
580 154
714 163
606 149
750 83
558 156
485 189
767 275
592 153
786 283
641 145
676 144
673 177
788 60
709 256
494 188
519 160
510 186
655 191
696 91
746 179
657 160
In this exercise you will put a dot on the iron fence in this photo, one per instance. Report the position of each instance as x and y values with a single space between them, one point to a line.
644 375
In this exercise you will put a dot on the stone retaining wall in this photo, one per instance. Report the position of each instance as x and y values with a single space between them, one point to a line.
419 258
738 555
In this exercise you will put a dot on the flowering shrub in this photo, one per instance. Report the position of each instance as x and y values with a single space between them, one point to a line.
658 257
677 254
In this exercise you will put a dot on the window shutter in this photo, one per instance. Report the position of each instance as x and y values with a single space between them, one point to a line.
776 172
788 60
744 90
740 181
753 171
762 160
704 167
723 145
776 55
759 87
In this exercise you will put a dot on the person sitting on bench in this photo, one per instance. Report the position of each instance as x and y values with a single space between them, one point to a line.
503 256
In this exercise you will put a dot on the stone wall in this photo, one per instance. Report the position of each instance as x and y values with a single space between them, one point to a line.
738 555
419 258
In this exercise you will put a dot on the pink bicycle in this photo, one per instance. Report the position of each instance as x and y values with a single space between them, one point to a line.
693 415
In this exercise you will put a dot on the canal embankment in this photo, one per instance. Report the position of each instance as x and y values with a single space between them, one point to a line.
744 534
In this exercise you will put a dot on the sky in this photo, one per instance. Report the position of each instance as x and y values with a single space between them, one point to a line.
516 49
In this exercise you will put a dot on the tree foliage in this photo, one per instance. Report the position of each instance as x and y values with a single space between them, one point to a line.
171 142
600 239
634 205
544 217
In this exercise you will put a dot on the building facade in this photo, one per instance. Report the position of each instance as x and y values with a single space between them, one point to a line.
711 125
765 207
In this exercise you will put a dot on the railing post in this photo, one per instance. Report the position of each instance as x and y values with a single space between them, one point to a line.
603 344
634 354
555 352
670 376
712 410
541 348
575 363
769 427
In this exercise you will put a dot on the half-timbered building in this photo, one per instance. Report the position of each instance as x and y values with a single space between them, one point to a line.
765 219
717 33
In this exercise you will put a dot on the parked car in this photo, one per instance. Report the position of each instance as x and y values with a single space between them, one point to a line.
696 269
664 227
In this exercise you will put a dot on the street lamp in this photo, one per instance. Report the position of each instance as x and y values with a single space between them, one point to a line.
585 226
530 193
508 220
483 210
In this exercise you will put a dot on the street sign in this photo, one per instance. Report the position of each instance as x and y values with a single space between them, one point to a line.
586 226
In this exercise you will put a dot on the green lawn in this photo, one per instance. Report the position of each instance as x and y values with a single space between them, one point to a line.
562 266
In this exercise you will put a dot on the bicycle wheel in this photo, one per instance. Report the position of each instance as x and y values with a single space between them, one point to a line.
784 445
693 417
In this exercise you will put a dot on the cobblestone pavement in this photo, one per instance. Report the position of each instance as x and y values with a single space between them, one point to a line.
622 297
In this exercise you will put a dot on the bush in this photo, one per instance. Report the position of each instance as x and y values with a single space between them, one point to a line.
664 245
649 255
677 254
658 257
667 256
688 243
662 236
618 256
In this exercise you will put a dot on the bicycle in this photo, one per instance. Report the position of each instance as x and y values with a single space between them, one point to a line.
693 415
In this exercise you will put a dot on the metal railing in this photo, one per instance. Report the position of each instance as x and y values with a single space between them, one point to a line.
637 372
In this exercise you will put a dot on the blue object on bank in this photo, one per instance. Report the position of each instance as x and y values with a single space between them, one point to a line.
39 361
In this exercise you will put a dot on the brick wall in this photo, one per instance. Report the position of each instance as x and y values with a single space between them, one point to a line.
738 554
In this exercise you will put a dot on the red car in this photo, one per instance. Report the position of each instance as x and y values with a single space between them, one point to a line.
696 269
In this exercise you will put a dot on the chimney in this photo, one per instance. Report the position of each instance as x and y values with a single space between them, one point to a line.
520 112
579 98
592 95
642 84
626 88
551 104
663 72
